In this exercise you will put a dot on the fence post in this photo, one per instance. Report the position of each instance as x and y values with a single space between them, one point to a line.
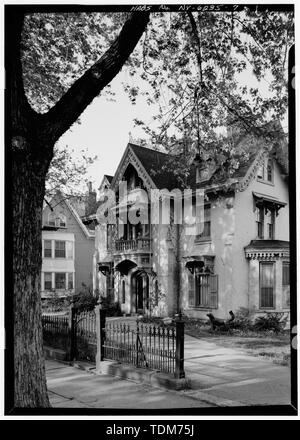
72 330
179 357
100 330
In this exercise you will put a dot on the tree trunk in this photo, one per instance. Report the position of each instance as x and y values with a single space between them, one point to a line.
32 137
28 181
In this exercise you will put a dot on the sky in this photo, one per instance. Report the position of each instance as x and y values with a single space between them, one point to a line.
105 129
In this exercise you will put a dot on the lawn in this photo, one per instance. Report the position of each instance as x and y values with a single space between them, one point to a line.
272 346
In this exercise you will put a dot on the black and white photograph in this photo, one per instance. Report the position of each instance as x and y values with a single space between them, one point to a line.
150 212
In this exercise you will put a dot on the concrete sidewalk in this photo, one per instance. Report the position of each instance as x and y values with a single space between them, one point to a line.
230 376
217 376
226 374
71 387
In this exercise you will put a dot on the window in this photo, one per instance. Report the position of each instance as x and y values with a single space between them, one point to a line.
47 280
156 293
265 171
269 173
286 284
270 222
266 285
203 290
109 235
123 292
206 224
265 223
70 281
51 219
260 221
62 220
60 249
47 248
60 280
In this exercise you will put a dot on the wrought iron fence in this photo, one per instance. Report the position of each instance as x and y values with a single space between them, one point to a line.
147 346
86 326
55 324
56 331
144 346
75 333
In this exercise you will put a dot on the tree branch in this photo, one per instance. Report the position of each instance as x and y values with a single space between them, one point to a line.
67 110
21 111
198 43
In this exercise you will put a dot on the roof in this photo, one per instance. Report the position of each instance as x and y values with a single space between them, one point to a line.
63 199
156 164
160 166
268 244
109 178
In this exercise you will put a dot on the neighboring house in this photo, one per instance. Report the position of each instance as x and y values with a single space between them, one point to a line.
239 259
67 246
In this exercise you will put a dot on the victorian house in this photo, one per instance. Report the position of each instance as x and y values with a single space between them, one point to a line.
238 258
67 245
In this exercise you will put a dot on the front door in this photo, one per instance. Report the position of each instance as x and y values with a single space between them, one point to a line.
141 292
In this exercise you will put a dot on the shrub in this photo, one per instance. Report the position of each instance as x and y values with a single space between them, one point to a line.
55 303
270 321
112 308
85 300
243 319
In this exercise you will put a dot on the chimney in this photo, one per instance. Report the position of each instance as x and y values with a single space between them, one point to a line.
90 200
202 168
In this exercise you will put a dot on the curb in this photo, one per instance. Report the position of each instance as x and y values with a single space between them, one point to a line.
56 354
152 378
141 375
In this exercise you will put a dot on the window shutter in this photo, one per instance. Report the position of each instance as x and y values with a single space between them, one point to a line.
191 281
213 291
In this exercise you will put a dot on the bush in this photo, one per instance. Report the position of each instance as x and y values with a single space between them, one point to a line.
85 300
270 321
112 308
243 319
55 303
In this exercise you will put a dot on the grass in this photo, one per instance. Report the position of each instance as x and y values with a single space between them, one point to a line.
265 344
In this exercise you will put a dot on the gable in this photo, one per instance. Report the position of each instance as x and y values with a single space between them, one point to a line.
62 206
130 157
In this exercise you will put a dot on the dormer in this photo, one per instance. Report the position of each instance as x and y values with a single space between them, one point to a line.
105 184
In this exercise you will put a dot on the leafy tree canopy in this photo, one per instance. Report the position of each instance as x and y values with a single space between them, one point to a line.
188 67
193 65
68 173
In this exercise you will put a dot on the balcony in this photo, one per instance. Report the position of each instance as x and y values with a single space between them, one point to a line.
129 246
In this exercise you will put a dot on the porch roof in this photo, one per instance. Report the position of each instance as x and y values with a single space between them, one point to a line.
267 244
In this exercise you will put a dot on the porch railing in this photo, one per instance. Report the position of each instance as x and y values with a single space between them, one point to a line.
138 244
